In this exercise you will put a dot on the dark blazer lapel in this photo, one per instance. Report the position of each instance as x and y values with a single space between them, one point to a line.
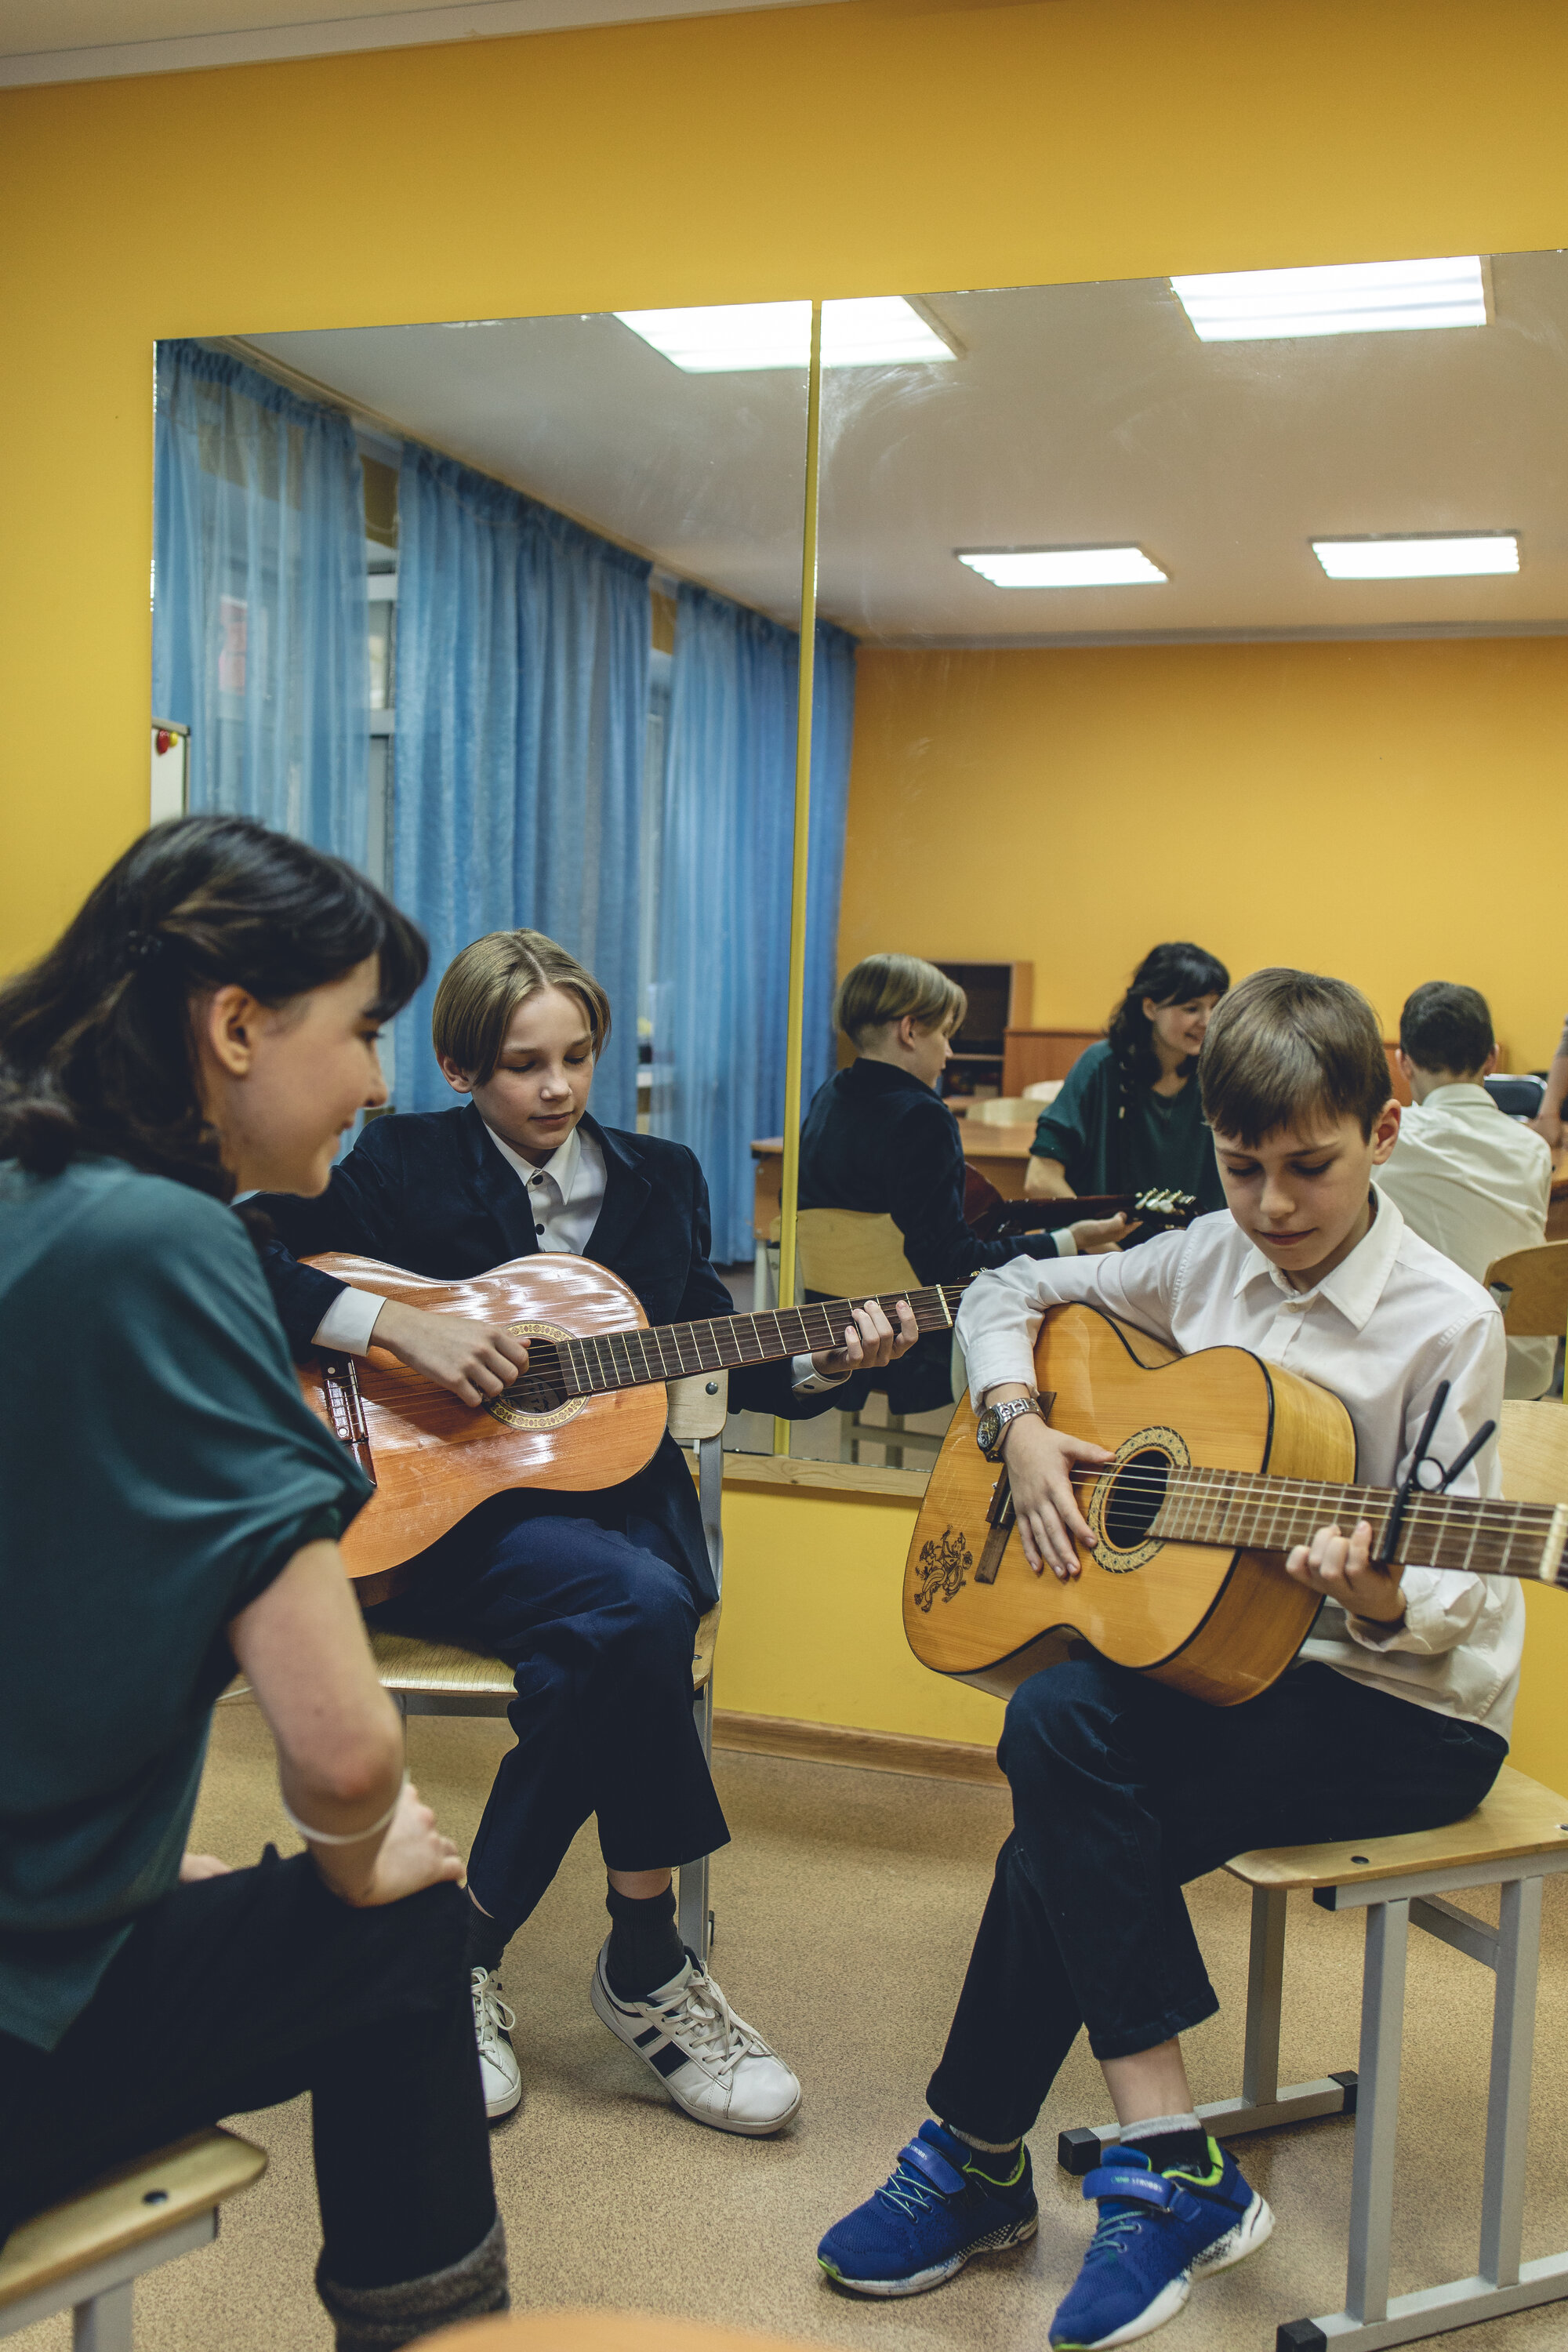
498 1187
626 1194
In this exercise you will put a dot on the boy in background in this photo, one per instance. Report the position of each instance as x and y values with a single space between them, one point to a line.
1466 1177
1393 1716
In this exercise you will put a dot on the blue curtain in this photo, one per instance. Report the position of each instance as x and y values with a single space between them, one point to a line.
722 976
522 687
259 624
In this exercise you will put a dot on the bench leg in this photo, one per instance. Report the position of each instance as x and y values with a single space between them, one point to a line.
1507 2096
104 2323
1263 2104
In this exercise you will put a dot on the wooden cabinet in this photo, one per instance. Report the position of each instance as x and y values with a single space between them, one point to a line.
1001 997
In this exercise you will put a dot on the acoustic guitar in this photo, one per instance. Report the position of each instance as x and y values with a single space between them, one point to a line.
588 1413
1221 1462
990 1217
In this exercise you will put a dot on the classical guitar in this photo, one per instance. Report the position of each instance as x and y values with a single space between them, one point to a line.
589 1412
990 1217
1220 1464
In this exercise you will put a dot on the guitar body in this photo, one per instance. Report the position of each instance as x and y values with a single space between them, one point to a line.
435 1458
1220 1624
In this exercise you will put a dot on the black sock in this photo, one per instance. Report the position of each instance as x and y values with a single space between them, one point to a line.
1175 2151
645 1949
486 1939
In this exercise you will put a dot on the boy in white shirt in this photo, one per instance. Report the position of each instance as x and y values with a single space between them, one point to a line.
1394 1717
1469 1180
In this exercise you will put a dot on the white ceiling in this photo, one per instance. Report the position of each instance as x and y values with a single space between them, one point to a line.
91 40
1077 415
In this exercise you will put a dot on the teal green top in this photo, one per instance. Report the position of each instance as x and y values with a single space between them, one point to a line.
158 1468
1108 1142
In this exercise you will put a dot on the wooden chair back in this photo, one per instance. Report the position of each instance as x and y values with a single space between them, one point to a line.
699 1407
999 1110
850 1254
1531 1287
1044 1090
1532 1451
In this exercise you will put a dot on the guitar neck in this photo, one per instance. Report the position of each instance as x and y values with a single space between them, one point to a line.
1246 1511
674 1352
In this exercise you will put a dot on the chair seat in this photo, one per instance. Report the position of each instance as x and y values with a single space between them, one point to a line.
444 1669
1517 1817
126 2207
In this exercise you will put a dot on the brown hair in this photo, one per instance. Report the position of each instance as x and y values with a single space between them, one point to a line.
884 988
483 987
1286 1045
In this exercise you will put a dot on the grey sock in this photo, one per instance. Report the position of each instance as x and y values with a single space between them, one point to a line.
986 2147
383 2318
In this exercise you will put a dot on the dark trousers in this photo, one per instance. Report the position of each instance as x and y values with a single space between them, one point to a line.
600 1624
239 1992
1122 1790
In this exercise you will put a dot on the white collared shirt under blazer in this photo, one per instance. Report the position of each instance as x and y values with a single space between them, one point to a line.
1381 1331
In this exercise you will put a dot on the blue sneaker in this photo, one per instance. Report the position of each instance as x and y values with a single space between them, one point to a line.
939 2210
1155 2230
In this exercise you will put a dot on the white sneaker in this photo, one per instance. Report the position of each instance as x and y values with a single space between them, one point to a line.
710 2061
499 2070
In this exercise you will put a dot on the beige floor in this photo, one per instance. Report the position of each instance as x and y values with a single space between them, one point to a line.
844 1909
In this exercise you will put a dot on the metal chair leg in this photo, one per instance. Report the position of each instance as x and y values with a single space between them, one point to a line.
103 2325
1377 2110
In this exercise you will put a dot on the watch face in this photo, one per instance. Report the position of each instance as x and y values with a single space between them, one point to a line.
988 1429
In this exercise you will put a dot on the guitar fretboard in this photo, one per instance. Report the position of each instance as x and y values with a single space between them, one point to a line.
674 1352
1239 1509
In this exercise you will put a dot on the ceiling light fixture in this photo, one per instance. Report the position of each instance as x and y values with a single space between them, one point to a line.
1357 297
878 330
1063 567
1425 558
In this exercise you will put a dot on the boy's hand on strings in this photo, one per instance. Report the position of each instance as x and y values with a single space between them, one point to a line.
870 1341
1095 1235
474 1360
1342 1567
1040 1462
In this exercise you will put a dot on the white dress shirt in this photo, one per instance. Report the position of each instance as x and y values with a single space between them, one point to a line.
1476 1184
1390 1322
567 1195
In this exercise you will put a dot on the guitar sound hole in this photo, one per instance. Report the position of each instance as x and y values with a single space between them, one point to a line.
533 1393
1137 1491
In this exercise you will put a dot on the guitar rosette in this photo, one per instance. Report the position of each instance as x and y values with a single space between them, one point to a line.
535 1402
1126 1494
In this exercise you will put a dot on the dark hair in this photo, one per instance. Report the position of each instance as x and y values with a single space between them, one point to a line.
95 1038
1286 1045
1171 975
1447 1027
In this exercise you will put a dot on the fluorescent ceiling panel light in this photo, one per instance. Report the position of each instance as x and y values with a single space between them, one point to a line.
882 331
1417 558
1063 567
1356 298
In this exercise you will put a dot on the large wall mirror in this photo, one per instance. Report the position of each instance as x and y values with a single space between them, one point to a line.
1222 610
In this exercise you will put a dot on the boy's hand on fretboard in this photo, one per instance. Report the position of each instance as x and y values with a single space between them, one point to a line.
869 1343
1341 1567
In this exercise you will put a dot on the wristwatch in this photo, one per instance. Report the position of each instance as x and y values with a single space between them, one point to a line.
992 1426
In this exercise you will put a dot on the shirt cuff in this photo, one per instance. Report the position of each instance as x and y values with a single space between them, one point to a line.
346 1326
1065 1240
806 1381
994 1362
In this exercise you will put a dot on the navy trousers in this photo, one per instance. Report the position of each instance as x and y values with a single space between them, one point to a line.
584 1600
1122 1790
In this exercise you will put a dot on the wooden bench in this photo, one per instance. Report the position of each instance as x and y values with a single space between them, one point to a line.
1513 1841
85 2254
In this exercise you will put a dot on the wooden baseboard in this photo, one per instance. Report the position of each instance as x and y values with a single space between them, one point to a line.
841 1743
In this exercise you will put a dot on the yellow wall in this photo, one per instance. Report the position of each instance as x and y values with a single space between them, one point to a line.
1388 812
872 146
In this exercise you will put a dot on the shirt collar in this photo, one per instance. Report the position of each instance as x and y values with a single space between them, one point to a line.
1449 1097
1357 1283
561 1164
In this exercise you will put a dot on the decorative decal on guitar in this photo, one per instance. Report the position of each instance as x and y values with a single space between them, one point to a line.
1121 1510
531 1404
940 1569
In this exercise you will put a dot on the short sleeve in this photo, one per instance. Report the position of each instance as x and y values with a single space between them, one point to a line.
1062 1130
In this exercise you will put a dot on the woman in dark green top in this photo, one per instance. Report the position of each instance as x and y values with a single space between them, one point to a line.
1128 1117
168 1509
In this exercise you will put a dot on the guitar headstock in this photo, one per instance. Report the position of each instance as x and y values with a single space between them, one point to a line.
1161 1209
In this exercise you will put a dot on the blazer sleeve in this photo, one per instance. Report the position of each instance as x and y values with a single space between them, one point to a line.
355 1213
925 1178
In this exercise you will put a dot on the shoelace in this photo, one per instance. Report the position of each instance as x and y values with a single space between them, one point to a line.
491 2014
1112 2229
909 2193
703 2022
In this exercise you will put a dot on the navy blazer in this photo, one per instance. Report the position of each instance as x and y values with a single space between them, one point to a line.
430 1191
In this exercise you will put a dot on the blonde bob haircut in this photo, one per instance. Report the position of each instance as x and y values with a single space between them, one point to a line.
483 988
884 988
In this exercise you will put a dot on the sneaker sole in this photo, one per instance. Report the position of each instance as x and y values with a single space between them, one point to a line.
714 2123
1165 2305
1016 2233
1254 2228
507 2106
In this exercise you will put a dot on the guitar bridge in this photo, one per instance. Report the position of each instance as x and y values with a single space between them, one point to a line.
340 1383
